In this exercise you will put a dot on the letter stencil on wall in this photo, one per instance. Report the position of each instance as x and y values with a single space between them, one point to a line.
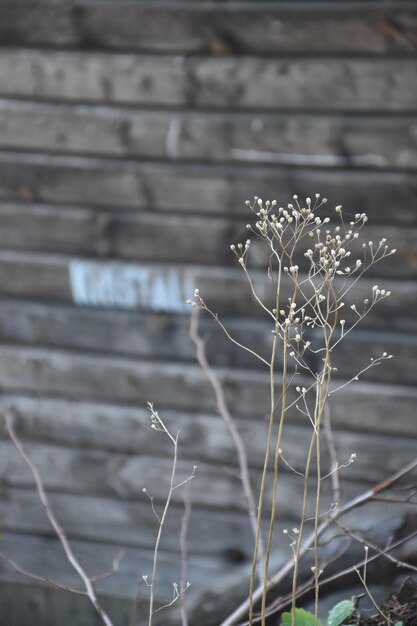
113 284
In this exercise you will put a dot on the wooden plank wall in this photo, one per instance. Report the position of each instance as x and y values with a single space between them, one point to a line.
131 133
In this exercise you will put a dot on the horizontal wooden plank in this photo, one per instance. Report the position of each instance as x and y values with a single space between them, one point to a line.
165 288
120 523
22 601
118 480
95 471
148 237
44 556
132 382
125 234
271 139
119 428
239 82
209 27
162 336
228 539
198 189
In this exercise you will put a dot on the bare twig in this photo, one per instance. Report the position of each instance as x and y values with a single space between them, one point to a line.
90 591
42 579
233 430
114 569
372 546
370 596
158 424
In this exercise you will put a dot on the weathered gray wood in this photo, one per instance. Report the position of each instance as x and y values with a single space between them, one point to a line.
202 189
227 535
121 428
337 85
122 235
44 556
120 523
47 277
162 336
23 600
112 474
215 488
148 237
128 381
271 139
78 378
202 27
123 523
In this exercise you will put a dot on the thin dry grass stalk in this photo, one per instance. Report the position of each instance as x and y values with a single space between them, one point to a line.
178 590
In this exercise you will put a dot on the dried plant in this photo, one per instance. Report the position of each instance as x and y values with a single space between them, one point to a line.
178 589
88 581
313 267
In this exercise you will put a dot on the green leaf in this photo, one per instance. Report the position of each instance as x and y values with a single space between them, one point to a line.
302 618
340 612
398 624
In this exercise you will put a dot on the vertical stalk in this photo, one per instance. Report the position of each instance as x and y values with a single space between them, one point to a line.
276 465
263 479
320 403
161 526
266 460
301 529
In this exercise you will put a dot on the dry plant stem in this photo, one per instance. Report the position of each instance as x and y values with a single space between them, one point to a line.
111 572
320 403
234 432
262 487
370 596
185 520
72 559
229 336
377 549
282 602
379 553
268 445
158 425
323 399
315 303
299 549
316 549
42 579
276 462
334 474
161 526
356 502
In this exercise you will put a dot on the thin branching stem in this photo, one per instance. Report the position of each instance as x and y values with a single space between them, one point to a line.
319 286
90 591
233 430
353 504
